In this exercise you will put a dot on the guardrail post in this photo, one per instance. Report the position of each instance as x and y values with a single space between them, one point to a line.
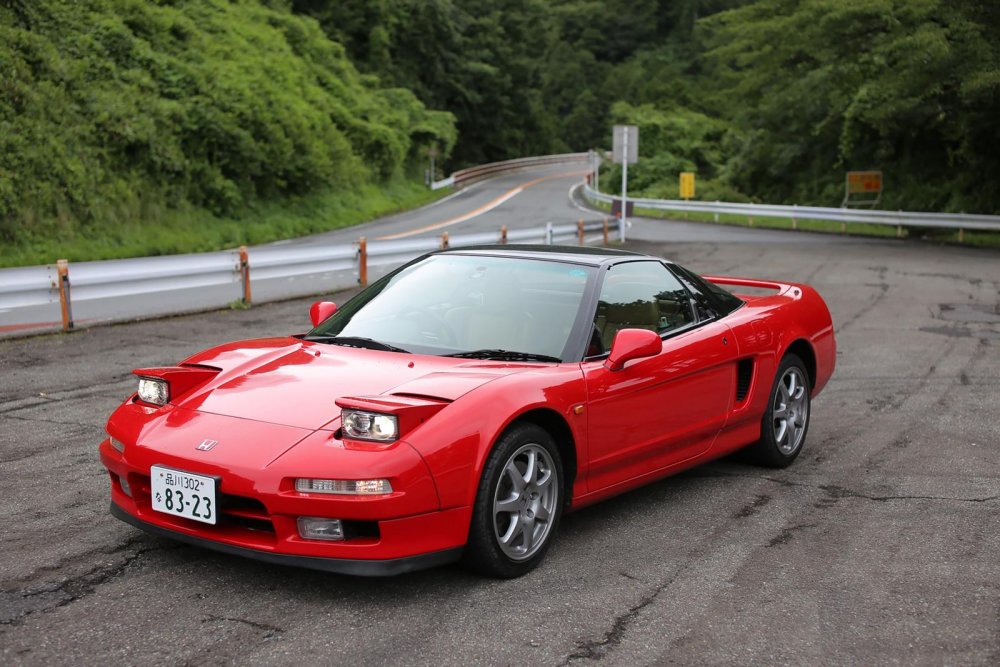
605 230
716 213
363 261
548 233
899 231
749 221
245 274
503 234
579 230
444 241
795 222
65 302
961 235
843 227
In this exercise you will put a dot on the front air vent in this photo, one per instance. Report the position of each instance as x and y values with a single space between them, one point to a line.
744 375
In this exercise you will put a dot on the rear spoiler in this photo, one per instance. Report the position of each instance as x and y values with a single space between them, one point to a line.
780 288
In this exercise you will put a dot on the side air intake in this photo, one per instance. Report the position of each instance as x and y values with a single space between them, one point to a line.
744 374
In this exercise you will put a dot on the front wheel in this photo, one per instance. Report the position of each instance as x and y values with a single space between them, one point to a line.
518 504
785 422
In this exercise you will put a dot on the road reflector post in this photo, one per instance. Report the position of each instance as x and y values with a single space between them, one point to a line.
548 233
795 222
605 231
961 235
65 302
843 227
899 231
245 274
579 230
363 261
444 241
716 213
503 235
749 221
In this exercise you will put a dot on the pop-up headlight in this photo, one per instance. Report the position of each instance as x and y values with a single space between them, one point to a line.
362 425
155 391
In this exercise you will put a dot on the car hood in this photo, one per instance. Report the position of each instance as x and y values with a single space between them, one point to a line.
296 383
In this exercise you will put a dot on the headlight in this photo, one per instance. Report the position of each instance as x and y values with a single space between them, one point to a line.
154 390
362 425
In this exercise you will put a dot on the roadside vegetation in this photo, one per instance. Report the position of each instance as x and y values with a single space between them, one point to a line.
145 126
767 100
133 127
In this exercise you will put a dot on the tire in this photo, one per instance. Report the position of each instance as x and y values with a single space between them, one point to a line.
785 422
508 536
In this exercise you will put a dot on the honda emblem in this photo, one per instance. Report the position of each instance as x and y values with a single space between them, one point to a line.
206 445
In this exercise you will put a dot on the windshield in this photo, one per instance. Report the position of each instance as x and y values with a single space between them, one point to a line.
467 305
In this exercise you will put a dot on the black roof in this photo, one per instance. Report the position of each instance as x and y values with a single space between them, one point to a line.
592 255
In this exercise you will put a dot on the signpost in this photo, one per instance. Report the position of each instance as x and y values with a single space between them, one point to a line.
624 151
687 185
862 188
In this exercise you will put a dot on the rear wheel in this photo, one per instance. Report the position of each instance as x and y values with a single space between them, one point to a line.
786 421
518 504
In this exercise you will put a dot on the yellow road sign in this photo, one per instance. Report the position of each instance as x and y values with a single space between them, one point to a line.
687 185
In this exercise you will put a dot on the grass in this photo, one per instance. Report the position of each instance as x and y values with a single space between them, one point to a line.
973 238
196 230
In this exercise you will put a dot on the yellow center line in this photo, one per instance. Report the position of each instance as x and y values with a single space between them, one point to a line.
488 206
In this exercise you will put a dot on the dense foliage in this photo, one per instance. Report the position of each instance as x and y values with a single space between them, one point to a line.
771 100
117 110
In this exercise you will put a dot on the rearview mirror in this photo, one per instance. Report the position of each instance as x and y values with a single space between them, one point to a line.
632 344
321 310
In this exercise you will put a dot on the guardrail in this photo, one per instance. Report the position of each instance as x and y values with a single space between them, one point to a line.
66 296
900 219
464 177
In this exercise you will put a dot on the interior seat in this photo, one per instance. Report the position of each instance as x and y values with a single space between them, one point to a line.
635 315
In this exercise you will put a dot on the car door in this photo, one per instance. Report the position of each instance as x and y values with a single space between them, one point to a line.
661 410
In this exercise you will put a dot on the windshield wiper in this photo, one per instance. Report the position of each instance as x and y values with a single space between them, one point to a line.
356 341
504 355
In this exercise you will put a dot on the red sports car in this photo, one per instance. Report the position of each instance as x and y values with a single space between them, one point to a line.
454 409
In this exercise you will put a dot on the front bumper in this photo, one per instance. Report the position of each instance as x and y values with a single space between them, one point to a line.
358 567
258 515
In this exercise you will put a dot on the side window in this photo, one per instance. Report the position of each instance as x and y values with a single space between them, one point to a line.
639 295
710 299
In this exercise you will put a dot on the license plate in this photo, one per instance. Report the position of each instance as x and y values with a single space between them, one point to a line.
184 494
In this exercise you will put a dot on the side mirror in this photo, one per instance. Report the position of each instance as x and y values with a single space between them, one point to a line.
632 344
321 310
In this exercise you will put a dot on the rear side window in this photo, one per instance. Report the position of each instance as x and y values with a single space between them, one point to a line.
710 299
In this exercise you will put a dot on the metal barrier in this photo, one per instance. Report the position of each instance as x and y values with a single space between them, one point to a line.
39 298
464 177
899 219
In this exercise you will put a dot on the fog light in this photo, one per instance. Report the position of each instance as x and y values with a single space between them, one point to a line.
123 480
348 487
154 391
311 528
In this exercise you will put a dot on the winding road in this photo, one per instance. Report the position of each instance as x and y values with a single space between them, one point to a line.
878 546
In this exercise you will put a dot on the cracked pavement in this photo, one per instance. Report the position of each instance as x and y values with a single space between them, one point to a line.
879 546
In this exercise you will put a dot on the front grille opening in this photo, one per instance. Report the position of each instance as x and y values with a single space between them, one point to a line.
744 375
357 529
250 523
245 512
241 504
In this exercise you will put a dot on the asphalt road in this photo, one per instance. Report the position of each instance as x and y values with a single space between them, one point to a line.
879 546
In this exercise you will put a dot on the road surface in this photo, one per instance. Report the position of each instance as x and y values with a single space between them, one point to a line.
878 546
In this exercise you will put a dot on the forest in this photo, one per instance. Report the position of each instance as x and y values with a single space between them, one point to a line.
125 113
